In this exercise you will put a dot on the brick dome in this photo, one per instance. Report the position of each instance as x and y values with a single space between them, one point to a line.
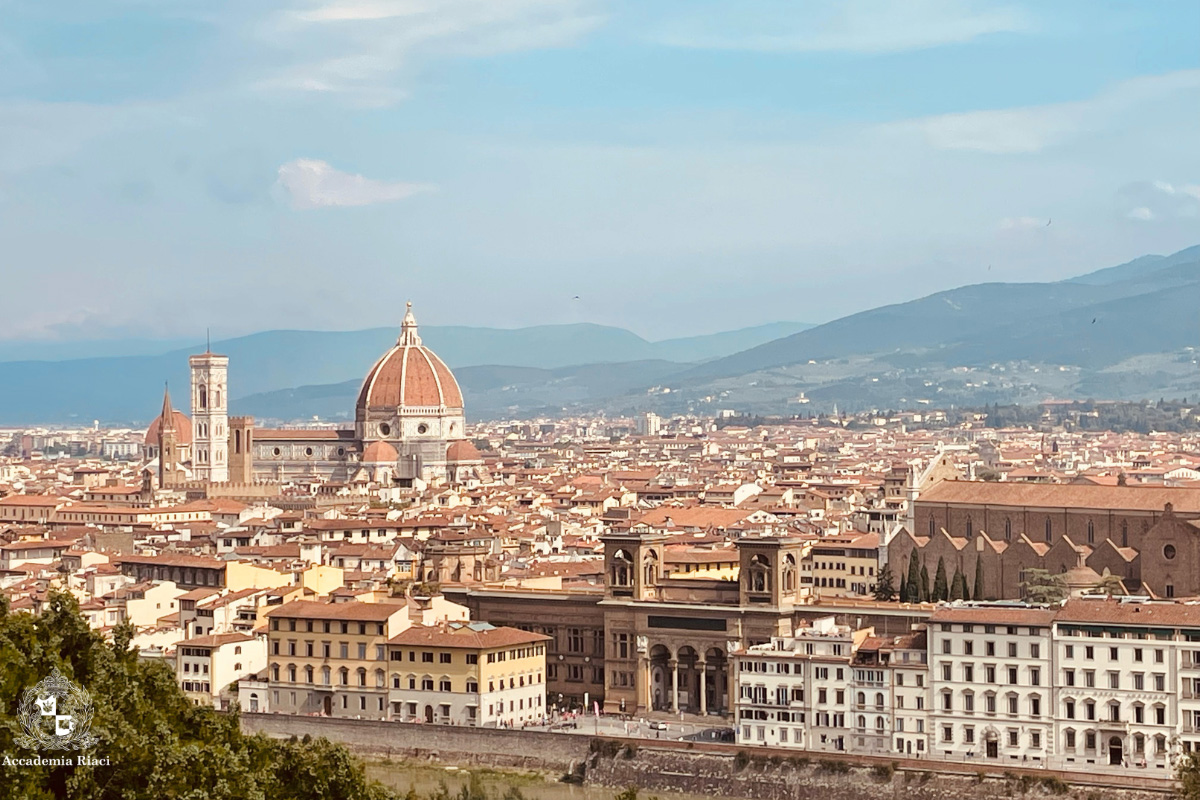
380 453
183 429
409 375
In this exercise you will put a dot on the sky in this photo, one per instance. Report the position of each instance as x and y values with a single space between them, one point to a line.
670 166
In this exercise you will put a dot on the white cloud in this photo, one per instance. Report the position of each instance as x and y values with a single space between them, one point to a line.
857 26
366 50
1035 128
1159 200
311 183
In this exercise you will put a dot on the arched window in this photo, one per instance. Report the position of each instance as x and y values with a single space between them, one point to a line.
216 398
379 679
202 392
862 722
308 674
1049 529
932 526
970 527
789 573
622 574
291 673
650 568
237 440
879 699
325 675
862 699
879 724
362 676
1124 533
344 676
1007 529
760 573
1091 532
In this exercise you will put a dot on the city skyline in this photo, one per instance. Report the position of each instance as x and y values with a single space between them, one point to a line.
314 165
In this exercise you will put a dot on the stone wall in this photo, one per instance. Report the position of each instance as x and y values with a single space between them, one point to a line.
782 778
456 745
704 769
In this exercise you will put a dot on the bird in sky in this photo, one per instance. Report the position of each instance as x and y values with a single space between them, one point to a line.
576 297
1048 222
1093 320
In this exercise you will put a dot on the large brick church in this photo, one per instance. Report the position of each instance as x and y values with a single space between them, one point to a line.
1148 536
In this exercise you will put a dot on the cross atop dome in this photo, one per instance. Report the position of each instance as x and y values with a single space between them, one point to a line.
408 329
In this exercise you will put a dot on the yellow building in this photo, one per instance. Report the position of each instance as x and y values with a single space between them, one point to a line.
331 658
845 566
467 673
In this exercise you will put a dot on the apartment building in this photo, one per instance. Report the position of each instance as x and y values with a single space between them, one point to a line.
208 666
1126 681
845 566
990 675
467 673
795 691
910 694
331 658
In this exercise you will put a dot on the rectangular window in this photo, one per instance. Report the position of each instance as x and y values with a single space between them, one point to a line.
1114 680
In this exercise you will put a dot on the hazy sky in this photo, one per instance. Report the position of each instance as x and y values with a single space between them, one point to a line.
682 166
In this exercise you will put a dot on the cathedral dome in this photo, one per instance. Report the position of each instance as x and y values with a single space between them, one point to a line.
410 376
183 429
380 453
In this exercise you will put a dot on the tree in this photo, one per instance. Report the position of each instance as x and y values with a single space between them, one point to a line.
885 591
904 590
1187 772
1040 587
958 586
977 590
941 587
914 578
158 744
1110 585
924 596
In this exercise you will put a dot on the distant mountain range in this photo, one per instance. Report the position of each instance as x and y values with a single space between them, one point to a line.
124 388
1123 332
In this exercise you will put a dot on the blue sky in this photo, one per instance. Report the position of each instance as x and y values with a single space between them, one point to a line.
682 166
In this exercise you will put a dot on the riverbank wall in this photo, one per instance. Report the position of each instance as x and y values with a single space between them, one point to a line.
707 769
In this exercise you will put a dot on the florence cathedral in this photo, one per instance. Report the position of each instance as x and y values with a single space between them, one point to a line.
409 430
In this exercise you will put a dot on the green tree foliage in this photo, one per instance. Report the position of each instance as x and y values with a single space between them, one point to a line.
924 585
1187 772
158 743
941 587
958 586
904 589
977 590
1040 586
914 579
885 590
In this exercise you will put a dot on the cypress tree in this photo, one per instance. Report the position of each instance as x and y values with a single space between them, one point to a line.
924 586
958 586
941 587
904 587
977 592
914 578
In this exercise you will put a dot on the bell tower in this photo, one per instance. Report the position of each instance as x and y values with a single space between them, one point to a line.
210 420
168 446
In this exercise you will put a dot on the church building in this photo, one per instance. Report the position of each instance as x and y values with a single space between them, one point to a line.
409 430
